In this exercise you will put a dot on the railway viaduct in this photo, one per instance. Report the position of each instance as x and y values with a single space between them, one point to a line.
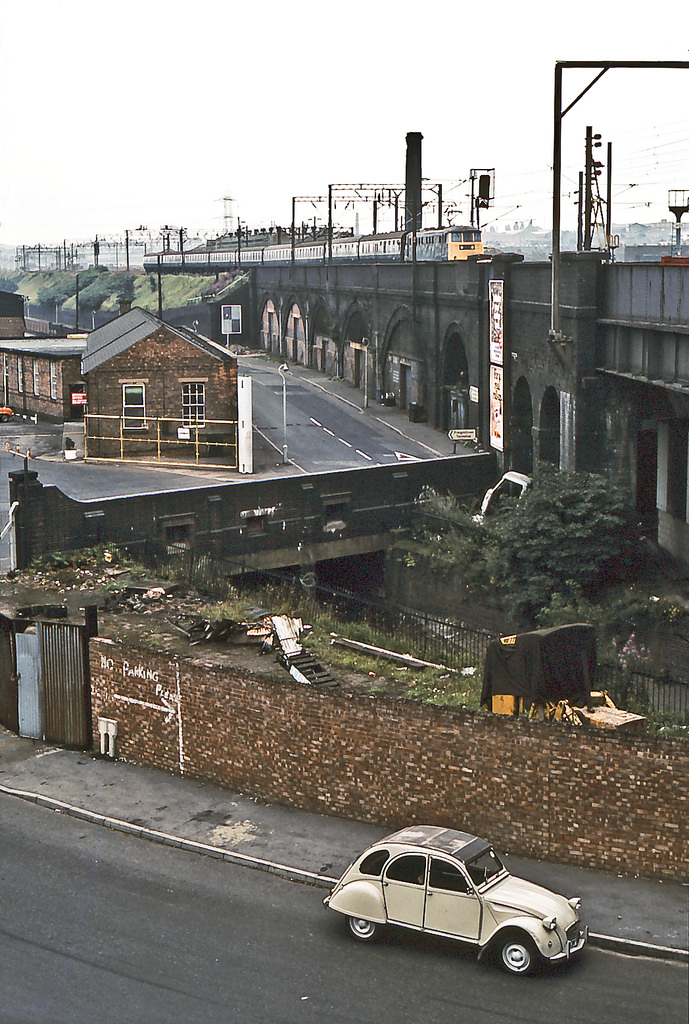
468 345
420 334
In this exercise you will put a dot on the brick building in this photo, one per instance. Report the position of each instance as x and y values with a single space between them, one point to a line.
159 391
42 376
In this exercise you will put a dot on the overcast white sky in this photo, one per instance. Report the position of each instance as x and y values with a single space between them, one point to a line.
151 111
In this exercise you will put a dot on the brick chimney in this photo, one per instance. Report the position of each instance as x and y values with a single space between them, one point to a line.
412 195
125 306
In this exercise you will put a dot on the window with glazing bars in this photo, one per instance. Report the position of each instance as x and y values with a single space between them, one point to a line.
194 403
134 406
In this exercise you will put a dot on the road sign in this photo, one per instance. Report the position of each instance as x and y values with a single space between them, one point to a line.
231 319
462 435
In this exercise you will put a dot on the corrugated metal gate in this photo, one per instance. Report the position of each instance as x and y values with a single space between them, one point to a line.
29 686
53 689
66 690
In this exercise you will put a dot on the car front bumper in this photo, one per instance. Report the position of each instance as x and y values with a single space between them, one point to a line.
573 944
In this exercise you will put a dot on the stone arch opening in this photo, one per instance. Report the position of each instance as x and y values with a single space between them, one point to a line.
549 428
354 352
454 384
322 345
294 338
521 423
399 375
270 327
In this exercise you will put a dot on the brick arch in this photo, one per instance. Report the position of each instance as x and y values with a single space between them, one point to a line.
354 352
397 343
322 341
294 330
270 330
454 411
549 427
521 425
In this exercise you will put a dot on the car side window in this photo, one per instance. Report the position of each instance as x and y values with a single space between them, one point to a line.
409 868
374 863
447 876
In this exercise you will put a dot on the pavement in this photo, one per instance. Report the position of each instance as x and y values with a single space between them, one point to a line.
633 916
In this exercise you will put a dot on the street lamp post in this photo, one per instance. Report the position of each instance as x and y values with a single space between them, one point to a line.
283 369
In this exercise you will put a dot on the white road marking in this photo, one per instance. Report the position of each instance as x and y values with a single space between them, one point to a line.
363 455
342 441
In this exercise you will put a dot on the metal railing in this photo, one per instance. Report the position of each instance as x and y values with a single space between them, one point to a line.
645 690
161 439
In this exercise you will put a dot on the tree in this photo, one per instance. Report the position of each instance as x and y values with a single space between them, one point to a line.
572 536
125 287
95 286
60 288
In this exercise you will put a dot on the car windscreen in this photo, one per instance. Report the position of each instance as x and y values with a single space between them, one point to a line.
484 868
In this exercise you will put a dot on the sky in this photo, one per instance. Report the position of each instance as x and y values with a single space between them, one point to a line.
152 112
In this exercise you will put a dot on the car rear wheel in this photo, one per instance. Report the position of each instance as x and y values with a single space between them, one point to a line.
3 418
517 954
361 929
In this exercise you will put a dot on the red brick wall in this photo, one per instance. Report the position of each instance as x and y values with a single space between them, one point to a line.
68 370
162 359
599 800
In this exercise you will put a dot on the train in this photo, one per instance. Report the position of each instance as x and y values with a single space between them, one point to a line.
430 244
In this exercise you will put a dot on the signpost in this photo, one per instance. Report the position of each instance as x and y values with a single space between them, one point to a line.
463 436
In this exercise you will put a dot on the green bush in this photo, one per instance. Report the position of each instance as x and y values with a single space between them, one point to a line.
544 556
60 288
570 537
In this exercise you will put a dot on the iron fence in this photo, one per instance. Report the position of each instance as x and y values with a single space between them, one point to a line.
660 693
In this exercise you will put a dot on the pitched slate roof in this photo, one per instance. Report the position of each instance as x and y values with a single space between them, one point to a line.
124 331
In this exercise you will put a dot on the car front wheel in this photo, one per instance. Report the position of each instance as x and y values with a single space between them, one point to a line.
517 954
361 929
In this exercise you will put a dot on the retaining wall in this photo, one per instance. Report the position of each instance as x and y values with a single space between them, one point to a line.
593 799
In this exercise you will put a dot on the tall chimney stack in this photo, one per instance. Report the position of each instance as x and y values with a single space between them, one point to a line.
412 200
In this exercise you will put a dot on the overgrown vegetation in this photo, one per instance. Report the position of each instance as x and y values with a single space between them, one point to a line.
567 552
435 685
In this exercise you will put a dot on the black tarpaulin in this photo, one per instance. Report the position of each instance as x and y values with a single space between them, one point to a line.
541 666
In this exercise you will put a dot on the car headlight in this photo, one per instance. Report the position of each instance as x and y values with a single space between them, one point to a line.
550 923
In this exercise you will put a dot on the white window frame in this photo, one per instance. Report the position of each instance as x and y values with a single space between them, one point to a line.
53 381
130 420
20 374
36 379
193 403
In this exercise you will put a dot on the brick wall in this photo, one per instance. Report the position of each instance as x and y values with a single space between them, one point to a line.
162 359
67 370
297 510
599 800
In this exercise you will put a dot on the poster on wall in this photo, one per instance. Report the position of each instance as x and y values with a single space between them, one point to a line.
496 321
496 408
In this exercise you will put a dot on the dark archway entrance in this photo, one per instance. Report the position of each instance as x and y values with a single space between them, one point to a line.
549 428
454 412
521 423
